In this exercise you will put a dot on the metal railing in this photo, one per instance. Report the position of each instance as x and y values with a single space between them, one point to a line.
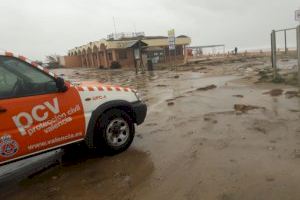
274 49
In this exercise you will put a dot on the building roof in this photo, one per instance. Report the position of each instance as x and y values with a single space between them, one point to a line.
136 43
150 41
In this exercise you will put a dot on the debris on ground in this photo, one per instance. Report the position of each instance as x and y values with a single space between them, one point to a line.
205 124
265 74
245 108
238 96
260 129
161 85
270 179
297 153
202 68
275 92
207 118
173 99
209 87
177 76
291 94
171 103
151 124
295 111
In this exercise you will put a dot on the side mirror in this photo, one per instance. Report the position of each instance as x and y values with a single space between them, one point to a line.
60 84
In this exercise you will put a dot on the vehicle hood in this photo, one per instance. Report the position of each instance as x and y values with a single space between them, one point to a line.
97 86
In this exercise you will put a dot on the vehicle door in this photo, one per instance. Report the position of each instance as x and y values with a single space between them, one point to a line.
34 114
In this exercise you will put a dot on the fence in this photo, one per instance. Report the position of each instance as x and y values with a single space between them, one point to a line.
275 50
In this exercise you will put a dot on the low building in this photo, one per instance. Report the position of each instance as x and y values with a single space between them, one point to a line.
125 50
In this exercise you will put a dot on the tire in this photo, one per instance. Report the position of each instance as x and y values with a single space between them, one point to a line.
114 132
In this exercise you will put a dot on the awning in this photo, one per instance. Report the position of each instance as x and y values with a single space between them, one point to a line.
136 44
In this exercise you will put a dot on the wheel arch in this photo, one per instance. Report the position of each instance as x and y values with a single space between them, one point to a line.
96 114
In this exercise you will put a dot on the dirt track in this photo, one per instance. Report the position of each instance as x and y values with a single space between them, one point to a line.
196 143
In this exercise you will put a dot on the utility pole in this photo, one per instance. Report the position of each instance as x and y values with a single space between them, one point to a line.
115 26
297 18
298 52
273 52
285 43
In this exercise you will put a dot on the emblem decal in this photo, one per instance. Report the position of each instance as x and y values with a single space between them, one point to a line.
8 146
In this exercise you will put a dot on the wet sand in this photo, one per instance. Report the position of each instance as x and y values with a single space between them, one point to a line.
195 143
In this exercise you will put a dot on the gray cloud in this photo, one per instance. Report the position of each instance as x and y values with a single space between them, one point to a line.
37 28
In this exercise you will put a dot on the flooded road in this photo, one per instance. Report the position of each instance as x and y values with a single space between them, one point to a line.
198 142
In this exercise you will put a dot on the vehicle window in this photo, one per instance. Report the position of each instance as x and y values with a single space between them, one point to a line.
18 79
7 82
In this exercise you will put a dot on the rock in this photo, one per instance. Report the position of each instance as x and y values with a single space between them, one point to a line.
209 87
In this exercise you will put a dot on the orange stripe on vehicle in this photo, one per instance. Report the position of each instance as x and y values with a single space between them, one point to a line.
22 58
91 89
100 88
9 54
34 64
80 89
108 88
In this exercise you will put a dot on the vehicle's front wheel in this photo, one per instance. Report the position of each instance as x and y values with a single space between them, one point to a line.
114 132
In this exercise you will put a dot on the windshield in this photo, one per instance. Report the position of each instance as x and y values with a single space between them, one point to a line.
23 69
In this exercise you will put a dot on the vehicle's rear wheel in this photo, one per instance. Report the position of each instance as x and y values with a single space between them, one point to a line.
114 132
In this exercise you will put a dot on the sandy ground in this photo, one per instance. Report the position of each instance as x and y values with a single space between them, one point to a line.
233 141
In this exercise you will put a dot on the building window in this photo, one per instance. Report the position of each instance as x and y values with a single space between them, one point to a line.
110 56
123 55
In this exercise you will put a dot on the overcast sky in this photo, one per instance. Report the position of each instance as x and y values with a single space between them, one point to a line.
36 28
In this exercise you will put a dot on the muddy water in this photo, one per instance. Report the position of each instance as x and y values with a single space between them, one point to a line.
193 145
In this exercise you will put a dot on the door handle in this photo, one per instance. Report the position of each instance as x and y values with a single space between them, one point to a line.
2 110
